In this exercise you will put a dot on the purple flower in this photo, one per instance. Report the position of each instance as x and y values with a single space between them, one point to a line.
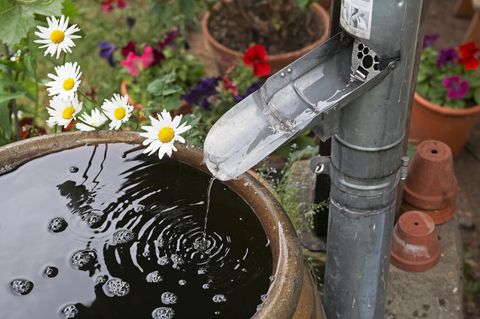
199 94
106 51
430 39
456 87
252 88
447 56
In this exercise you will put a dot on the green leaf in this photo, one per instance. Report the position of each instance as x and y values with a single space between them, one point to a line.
6 6
45 7
170 103
5 124
303 4
476 96
17 20
6 98
14 25
69 9
188 8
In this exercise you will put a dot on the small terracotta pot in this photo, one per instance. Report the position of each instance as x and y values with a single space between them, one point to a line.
226 56
431 185
415 246
185 107
451 126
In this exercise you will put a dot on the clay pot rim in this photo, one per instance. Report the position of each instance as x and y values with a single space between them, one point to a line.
288 265
445 110
315 7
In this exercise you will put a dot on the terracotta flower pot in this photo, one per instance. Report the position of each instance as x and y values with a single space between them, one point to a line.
415 246
451 126
431 185
226 56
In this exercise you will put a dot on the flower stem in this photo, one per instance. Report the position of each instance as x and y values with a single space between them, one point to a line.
85 96
13 103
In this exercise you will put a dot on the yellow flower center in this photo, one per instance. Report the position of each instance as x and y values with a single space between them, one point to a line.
68 112
68 84
119 113
57 36
166 134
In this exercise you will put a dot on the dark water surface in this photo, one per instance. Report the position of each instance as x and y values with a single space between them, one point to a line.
101 232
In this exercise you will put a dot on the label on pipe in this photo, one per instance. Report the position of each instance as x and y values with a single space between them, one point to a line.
356 17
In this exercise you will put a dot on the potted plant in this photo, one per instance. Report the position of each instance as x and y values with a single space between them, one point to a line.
287 29
447 99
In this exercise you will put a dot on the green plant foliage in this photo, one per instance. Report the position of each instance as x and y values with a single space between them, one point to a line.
182 13
18 17
431 75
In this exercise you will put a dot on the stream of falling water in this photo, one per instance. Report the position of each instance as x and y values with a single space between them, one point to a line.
209 191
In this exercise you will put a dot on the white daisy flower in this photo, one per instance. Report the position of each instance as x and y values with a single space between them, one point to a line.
57 37
65 82
92 121
118 110
163 133
63 112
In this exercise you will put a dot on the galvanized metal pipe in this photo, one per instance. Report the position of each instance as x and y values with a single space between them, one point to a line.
366 167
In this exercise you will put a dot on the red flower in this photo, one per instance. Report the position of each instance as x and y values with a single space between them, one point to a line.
130 47
470 55
256 56
230 86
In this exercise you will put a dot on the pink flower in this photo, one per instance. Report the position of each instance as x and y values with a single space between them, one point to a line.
135 63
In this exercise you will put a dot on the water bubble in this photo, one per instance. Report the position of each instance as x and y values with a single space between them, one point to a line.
271 278
177 261
58 224
138 208
21 287
101 279
201 244
117 287
122 236
182 282
159 243
217 313
263 297
50 271
154 277
206 286
259 307
84 259
162 261
70 311
201 271
219 298
169 298
73 169
163 313
93 219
